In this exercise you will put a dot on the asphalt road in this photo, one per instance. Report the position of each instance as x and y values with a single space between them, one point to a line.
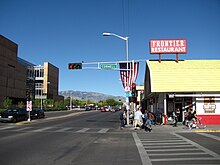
94 138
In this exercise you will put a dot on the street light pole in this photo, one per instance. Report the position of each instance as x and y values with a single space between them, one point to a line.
41 99
127 82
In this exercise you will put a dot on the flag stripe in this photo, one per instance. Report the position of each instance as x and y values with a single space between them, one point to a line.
130 76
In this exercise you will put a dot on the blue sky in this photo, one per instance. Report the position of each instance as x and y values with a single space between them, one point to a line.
64 31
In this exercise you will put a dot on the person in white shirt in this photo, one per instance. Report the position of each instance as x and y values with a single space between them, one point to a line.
138 119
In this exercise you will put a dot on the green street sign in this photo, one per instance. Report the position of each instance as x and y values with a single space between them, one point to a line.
108 66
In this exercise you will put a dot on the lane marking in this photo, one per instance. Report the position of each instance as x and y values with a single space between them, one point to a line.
42 129
162 141
209 136
183 159
63 129
215 155
83 130
169 146
178 149
22 129
103 130
142 152
4 128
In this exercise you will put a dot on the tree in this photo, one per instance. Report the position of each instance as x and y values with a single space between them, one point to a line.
111 102
37 103
7 102
21 104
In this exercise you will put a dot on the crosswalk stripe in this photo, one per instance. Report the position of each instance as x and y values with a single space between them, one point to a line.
4 128
23 129
83 130
55 129
176 149
178 154
42 129
104 130
183 159
63 129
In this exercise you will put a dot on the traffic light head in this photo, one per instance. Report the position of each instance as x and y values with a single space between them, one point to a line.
133 90
75 66
28 95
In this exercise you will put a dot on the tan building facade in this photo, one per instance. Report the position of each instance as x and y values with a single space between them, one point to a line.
18 76
12 74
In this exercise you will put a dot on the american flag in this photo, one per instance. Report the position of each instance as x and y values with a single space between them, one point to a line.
130 76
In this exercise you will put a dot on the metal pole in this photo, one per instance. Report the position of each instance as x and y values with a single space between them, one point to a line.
70 102
41 101
127 84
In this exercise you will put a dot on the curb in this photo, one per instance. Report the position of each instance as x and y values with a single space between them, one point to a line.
208 130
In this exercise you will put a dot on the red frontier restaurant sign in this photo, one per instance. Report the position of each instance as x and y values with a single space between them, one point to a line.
171 46
168 46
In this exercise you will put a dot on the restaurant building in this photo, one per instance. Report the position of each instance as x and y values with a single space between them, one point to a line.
184 84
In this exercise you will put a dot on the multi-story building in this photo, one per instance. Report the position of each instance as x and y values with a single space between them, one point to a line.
18 76
12 74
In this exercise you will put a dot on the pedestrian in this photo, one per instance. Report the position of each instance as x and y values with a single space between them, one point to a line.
138 119
122 117
148 122
175 118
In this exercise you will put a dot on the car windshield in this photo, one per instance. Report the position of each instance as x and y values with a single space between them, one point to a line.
11 110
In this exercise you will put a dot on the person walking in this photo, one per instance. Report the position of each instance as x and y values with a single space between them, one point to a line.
175 119
122 117
148 122
138 119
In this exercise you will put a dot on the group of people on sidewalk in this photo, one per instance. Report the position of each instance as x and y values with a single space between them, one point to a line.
190 118
140 120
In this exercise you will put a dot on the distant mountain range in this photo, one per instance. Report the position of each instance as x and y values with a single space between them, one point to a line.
93 96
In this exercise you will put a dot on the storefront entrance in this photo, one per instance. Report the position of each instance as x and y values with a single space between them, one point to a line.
183 103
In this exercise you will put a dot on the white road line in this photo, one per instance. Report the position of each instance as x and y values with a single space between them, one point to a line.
63 129
104 130
4 128
215 155
164 144
161 141
210 136
178 154
169 146
22 129
41 129
83 130
143 154
183 159
176 149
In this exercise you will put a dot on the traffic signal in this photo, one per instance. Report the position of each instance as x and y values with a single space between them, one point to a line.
28 95
133 90
75 65
133 99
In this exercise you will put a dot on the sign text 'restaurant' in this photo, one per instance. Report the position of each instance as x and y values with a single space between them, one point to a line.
170 46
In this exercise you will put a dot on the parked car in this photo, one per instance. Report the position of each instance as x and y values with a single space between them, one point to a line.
14 115
37 114
88 109
103 109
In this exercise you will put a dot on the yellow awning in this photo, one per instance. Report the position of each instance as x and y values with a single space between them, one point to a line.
185 76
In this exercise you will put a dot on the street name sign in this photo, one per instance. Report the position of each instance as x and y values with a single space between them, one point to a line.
108 66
